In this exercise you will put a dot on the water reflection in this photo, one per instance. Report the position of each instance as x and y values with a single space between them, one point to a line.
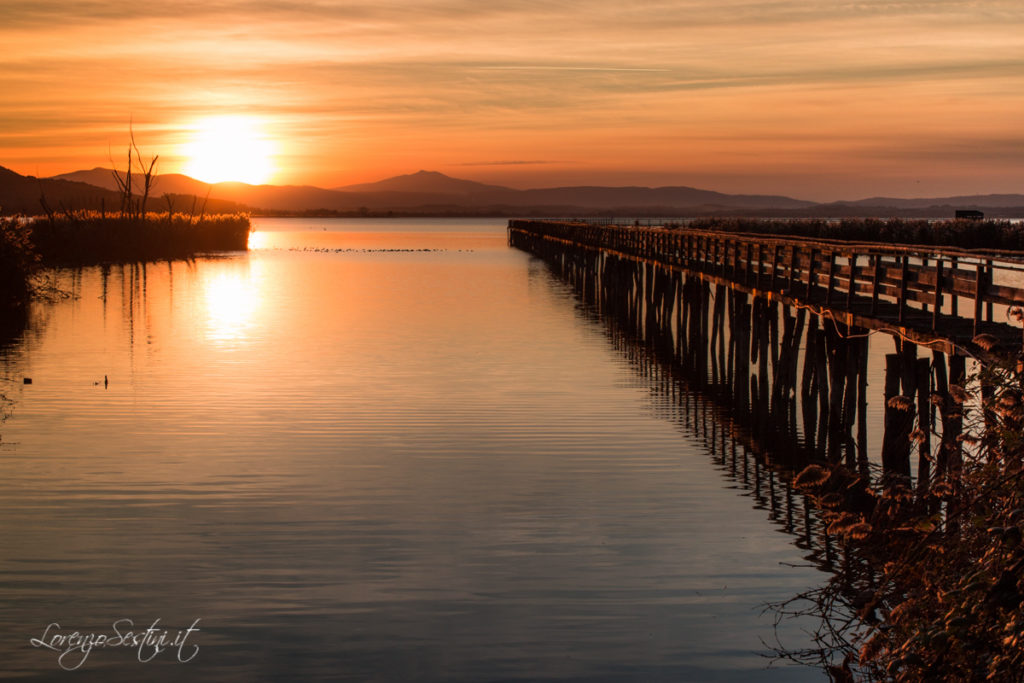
260 240
732 447
232 300
417 466
12 326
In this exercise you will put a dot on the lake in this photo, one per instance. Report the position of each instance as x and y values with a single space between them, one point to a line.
391 450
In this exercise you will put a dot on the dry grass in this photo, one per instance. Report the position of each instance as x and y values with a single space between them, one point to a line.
931 582
88 237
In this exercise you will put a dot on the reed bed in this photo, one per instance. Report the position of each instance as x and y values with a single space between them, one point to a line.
931 580
967 234
18 263
89 237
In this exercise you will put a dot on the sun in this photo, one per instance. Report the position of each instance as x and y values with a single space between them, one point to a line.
229 148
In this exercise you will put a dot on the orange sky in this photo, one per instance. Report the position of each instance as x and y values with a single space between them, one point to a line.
818 99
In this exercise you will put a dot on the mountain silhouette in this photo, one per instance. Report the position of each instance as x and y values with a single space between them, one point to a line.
426 182
432 190
169 183
25 194
433 193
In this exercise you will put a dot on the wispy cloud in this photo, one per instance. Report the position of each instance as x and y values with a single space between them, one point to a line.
515 162
540 67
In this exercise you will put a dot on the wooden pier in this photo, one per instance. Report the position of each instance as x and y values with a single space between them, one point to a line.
779 326
709 419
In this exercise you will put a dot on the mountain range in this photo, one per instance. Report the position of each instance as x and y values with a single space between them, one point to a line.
433 193
429 189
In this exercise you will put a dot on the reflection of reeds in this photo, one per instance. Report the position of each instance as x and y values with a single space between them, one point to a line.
18 262
950 233
88 237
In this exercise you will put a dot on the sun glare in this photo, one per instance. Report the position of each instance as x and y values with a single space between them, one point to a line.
231 301
229 148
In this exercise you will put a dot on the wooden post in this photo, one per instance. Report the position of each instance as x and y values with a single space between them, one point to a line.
923 423
741 371
822 380
957 375
836 348
876 279
810 273
762 256
979 288
780 389
851 288
808 400
862 409
937 312
954 299
924 268
750 262
720 296
851 365
715 332
988 391
792 267
793 355
772 311
896 437
763 404
902 315
988 281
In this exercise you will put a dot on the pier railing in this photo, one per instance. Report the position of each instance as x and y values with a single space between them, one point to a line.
940 296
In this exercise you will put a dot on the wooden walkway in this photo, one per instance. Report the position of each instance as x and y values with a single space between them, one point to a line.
960 302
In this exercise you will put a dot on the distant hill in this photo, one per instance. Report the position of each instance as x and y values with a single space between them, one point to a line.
425 182
22 194
479 194
170 183
974 200
611 197
292 198
433 193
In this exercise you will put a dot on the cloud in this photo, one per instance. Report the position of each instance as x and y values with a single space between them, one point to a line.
563 67
658 84
507 163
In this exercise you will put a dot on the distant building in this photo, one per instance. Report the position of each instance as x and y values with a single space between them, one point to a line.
969 215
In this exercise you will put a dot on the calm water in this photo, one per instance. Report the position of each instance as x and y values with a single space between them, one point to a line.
367 450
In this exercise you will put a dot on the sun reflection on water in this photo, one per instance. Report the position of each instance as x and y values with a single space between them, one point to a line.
232 300
258 240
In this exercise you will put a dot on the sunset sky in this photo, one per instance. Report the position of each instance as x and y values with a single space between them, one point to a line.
817 99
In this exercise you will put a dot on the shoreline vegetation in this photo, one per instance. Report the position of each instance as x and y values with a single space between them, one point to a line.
963 233
18 264
87 238
131 233
992 235
929 578
28 245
